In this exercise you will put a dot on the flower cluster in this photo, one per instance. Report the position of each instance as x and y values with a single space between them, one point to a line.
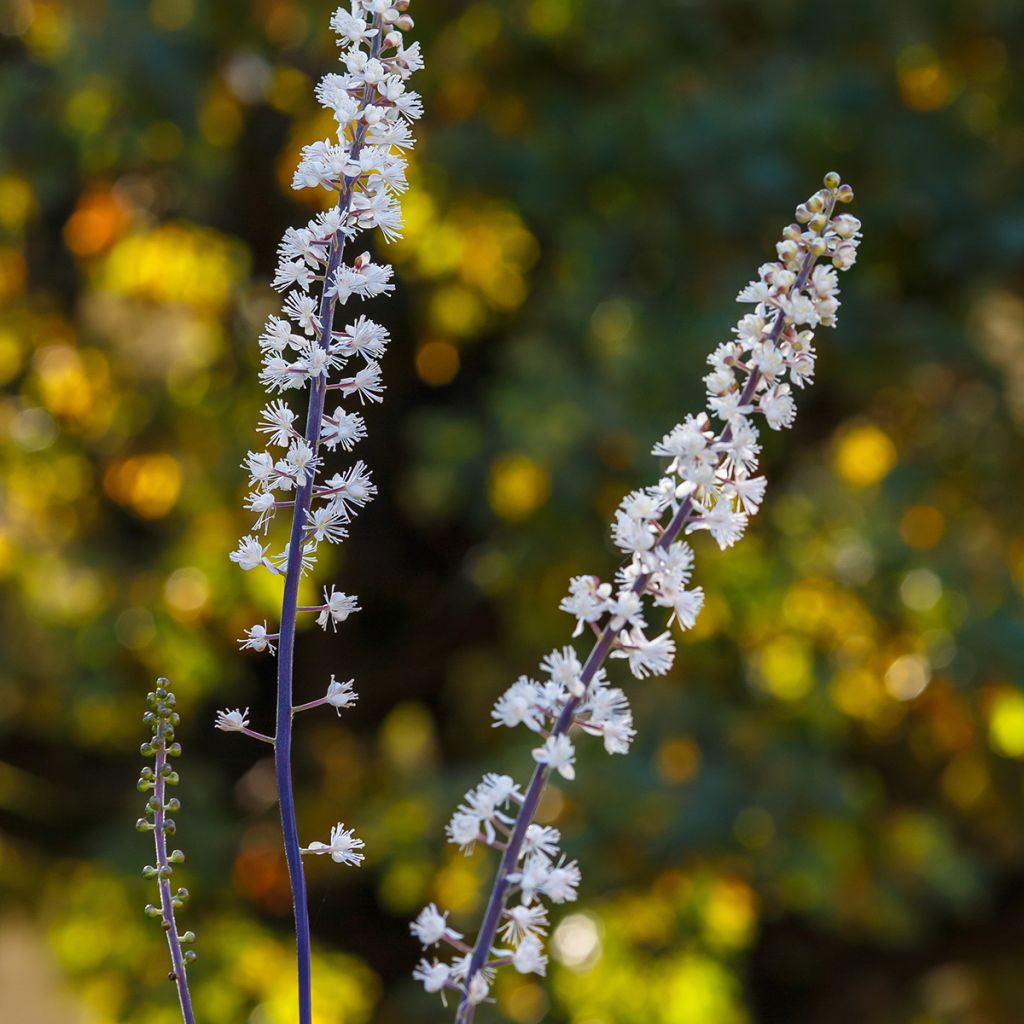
364 166
710 483
162 720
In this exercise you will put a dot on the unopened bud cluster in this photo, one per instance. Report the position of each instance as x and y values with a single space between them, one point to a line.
154 780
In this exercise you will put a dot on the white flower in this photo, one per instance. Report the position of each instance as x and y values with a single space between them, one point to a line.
562 881
534 874
529 957
518 705
249 554
342 848
434 976
478 989
564 668
337 608
232 721
587 600
646 657
558 754
432 926
341 695
463 830
522 920
541 839
257 639
778 407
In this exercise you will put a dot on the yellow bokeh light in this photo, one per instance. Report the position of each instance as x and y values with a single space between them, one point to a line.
171 15
17 201
12 272
865 455
922 527
187 592
437 363
176 263
924 82
907 677
1006 723
678 760
785 668
147 484
518 486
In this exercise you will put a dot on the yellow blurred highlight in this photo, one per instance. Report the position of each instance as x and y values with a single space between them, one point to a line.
89 108
286 24
187 592
549 17
220 118
17 201
922 527
176 263
71 380
859 693
289 91
456 310
523 1001
921 590
147 484
457 885
171 15
785 668
924 82
12 272
730 914
576 942
678 760
162 140
965 780
1006 723
518 486
437 363
48 35
907 677
97 222
407 737
865 455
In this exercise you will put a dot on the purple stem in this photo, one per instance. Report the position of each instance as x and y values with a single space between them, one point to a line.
600 651
289 608
167 907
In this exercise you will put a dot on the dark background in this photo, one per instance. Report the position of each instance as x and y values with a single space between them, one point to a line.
822 817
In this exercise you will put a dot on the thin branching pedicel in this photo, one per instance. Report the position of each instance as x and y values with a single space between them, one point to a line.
364 167
162 719
709 484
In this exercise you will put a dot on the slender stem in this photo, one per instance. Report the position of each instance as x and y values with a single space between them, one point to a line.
319 702
253 734
289 608
600 651
178 974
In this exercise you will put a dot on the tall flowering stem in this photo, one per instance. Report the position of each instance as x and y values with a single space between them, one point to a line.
364 169
162 719
709 484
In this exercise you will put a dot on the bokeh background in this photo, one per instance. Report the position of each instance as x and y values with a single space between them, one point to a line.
823 816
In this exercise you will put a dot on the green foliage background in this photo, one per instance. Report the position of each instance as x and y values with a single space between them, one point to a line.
822 818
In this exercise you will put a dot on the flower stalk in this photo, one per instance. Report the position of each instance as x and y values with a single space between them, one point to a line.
708 485
363 168
162 719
